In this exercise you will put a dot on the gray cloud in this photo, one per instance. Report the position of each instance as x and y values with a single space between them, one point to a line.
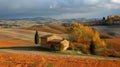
58 8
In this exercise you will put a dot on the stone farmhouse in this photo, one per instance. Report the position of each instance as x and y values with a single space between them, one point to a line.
54 42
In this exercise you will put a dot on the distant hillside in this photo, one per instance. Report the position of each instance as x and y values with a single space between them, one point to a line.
16 23
113 30
76 20
28 22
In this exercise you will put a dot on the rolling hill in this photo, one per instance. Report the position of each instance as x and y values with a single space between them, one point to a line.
58 29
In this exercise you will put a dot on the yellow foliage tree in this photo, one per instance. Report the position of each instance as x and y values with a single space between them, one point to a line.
79 31
97 41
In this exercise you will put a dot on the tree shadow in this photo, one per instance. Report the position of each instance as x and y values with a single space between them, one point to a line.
28 48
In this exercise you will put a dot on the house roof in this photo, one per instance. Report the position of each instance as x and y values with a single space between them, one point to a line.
46 36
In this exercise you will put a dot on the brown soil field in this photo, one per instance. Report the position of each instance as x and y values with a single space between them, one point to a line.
19 35
15 60
57 29
12 43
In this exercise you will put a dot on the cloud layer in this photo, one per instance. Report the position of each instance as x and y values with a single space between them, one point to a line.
58 8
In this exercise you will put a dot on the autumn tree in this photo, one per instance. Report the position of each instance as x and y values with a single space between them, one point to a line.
36 39
98 41
78 31
85 35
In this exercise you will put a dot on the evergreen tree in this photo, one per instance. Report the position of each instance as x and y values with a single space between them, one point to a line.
36 39
92 47
103 20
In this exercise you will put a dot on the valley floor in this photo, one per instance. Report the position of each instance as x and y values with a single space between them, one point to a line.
16 51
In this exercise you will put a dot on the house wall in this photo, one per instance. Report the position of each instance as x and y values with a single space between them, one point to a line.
65 43
43 42
53 45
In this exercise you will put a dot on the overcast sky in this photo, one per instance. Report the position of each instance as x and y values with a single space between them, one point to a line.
59 8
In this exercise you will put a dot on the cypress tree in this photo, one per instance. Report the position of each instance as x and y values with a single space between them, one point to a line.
103 20
36 39
92 47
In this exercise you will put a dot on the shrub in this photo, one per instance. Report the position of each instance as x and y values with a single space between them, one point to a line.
83 49
80 47
36 39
